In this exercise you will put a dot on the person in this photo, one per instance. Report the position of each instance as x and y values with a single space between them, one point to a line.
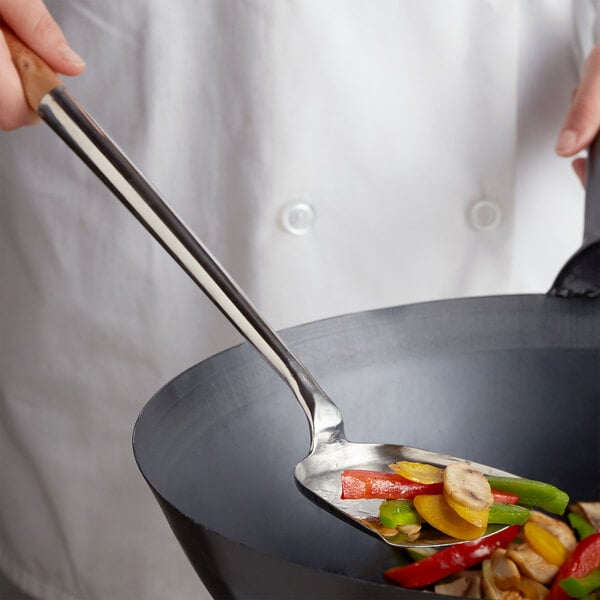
335 156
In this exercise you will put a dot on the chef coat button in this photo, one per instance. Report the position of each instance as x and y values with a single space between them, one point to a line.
297 217
485 215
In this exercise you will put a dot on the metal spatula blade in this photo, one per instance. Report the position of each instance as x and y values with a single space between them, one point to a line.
319 476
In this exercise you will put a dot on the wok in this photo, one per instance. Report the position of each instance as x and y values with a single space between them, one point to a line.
509 381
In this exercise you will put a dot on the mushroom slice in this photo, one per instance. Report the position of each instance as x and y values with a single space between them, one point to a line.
456 587
412 531
560 530
531 564
505 572
467 486
490 589
532 590
467 585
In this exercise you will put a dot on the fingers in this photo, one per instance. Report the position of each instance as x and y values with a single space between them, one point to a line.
33 24
583 121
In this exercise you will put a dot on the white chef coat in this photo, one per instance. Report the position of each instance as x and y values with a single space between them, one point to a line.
335 156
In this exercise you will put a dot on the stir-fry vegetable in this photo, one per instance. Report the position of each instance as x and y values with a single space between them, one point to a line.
545 543
533 493
419 472
502 497
508 514
581 525
358 484
491 589
467 487
580 587
510 570
477 517
436 511
590 511
397 513
450 560
458 500
535 557
580 563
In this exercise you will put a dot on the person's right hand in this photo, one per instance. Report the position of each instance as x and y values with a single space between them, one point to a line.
582 124
33 24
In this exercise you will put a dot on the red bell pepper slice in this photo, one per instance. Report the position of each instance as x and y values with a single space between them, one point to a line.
360 483
584 559
504 497
451 559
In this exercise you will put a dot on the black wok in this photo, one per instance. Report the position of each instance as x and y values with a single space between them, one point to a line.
509 381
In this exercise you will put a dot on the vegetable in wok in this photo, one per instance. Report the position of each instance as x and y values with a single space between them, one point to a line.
536 556
458 500
450 560
509 569
580 564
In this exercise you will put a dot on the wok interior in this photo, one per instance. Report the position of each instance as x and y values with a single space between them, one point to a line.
519 391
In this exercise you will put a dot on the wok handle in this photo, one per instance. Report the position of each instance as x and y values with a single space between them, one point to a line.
49 98
591 226
580 275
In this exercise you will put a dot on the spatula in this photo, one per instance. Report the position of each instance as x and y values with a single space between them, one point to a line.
319 474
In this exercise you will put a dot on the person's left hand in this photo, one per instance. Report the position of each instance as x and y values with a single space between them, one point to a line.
583 121
34 25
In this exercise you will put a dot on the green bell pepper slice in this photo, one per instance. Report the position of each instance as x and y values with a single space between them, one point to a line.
508 514
533 493
395 513
580 587
581 525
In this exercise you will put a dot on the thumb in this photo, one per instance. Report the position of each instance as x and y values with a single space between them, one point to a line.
33 24
583 121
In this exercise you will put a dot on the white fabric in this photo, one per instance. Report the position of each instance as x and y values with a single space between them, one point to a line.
391 119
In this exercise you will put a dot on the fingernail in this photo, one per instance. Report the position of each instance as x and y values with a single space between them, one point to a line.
566 142
72 57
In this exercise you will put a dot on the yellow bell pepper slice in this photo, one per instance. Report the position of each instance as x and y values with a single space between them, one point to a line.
434 509
419 472
545 543
479 518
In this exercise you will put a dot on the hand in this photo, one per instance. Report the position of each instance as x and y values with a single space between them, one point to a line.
583 121
33 24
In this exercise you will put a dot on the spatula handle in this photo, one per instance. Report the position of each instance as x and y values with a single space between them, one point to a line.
37 78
